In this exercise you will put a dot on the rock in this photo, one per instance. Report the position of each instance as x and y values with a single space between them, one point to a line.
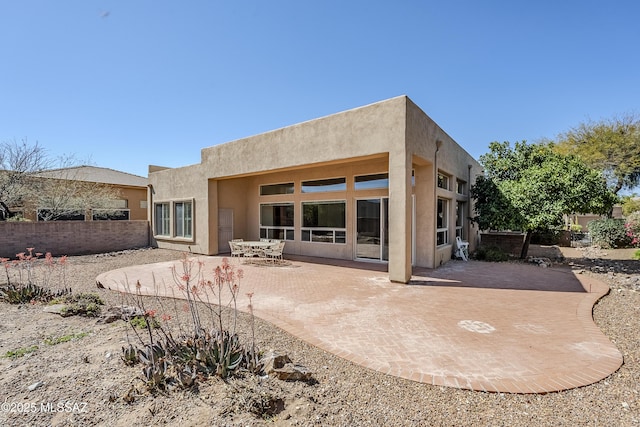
35 385
281 367
291 372
541 262
273 360
124 312
60 309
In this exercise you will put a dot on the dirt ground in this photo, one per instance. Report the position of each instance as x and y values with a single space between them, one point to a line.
71 372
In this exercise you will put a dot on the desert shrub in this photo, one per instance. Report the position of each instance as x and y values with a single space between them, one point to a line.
83 304
609 233
632 227
210 347
491 254
31 278
29 293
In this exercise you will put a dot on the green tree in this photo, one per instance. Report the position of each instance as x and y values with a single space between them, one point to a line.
612 146
630 204
532 187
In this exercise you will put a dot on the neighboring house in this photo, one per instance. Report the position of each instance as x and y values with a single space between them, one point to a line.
583 220
129 204
378 183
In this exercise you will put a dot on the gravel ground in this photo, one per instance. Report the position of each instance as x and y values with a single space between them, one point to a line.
83 382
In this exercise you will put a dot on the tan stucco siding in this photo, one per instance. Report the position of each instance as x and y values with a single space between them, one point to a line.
435 151
393 136
183 184
360 132
243 196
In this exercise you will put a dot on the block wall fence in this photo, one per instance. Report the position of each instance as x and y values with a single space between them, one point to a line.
510 243
72 237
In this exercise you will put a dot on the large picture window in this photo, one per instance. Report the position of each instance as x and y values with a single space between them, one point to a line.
324 222
162 220
442 222
276 221
183 219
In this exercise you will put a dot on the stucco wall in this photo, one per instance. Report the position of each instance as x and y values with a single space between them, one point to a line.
242 195
435 151
392 136
72 237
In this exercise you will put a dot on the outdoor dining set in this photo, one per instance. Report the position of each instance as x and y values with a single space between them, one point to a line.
265 250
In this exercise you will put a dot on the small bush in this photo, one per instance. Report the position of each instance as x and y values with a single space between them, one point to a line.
491 254
632 227
23 294
637 255
83 304
609 233
140 322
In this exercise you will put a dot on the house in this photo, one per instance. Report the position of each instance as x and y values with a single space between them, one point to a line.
381 183
125 194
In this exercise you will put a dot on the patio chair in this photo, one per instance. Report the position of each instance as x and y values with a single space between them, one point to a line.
275 253
462 249
236 249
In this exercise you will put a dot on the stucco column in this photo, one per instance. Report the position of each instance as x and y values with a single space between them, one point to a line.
400 215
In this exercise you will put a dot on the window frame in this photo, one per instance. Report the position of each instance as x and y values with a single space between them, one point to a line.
442 228
269 231
373 180
184 222
164 223
323 234
461 187
289 185
443 181
324 188
125 217
460 210
167 228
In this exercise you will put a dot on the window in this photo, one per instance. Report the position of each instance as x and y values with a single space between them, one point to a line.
321 185
110 214
460 210
57 215
367 182
461 187
324 222
269 190
143 204
442 222
183 219
162 219
443 181
276 221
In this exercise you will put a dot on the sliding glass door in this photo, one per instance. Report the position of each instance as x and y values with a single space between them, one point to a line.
372 225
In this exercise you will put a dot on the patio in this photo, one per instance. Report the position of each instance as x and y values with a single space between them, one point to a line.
472 325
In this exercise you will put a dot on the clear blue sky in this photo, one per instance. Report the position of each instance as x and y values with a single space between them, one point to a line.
136 82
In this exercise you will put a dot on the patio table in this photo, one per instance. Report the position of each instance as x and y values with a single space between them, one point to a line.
257 247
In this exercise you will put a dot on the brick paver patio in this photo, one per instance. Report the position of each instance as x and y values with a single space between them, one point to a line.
482 326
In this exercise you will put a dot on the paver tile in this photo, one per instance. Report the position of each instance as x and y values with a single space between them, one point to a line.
493 327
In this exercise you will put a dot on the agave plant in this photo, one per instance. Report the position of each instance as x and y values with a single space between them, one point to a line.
22 294
153 356
130 355
219 353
